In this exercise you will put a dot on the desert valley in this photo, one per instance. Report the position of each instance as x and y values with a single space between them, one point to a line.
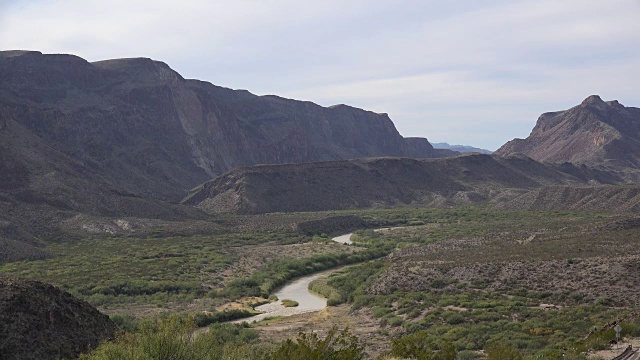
147 216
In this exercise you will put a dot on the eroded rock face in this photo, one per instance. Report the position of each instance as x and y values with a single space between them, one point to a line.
40 321
362 183
143 127
593 133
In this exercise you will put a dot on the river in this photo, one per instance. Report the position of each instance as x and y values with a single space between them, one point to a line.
297 290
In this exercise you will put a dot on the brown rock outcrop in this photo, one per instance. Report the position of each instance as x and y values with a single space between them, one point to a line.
595 133
40 321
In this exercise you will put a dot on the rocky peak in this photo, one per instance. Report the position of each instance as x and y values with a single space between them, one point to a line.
594 133
593 100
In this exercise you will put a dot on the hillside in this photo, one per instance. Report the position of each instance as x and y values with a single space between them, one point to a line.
596 133
381 182
142 127
56 324
618 199
40 187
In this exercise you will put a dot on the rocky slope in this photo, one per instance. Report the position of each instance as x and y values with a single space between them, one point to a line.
40 187
618 199
40 321
595 133
143 128
382 182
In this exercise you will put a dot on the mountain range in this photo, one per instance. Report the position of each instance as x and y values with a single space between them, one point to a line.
145 129
460 148
133 138
377 182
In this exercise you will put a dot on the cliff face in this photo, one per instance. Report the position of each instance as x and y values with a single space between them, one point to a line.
595 133
144 128
362 183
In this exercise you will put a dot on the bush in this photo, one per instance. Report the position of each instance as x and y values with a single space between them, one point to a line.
500 351
125 322
202 319
289 303
414 346
174 337
335 346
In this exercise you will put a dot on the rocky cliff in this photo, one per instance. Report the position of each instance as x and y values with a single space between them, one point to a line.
144 128
595 133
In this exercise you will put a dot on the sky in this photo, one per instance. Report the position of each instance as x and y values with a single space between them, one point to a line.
462 71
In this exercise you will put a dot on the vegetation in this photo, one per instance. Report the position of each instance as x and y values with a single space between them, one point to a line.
414 346
274 275
115 271
335 346
174 337
289 303
518 283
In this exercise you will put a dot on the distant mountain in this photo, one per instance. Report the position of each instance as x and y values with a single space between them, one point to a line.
376 182
142 127
596 133
461 148
121 138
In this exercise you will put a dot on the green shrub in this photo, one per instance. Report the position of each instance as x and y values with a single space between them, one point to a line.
202 319
175 338
335 346
289 303
500 351
125 322
415 346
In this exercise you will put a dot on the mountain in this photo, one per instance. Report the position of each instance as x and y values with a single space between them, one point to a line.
595 133
461 148
376 182
141 127
40 321
40 187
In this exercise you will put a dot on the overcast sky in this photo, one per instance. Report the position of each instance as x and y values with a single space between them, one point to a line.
461 71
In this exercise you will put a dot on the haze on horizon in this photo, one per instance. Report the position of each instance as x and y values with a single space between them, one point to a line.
460 72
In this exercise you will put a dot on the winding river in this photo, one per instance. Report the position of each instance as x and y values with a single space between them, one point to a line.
297 290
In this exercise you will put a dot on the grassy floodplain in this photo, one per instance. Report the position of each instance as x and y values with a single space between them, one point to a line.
537 282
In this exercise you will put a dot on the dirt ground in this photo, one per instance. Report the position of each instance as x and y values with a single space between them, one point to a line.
358 322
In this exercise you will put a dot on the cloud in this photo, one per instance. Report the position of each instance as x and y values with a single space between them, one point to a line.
434 66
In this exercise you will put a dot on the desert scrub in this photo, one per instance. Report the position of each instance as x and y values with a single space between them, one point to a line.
289 303
337 345
322 287
272 276
112 270
173 337
352 281
204 319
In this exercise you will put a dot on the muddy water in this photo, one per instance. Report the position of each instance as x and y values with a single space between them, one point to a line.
344 239
297 290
